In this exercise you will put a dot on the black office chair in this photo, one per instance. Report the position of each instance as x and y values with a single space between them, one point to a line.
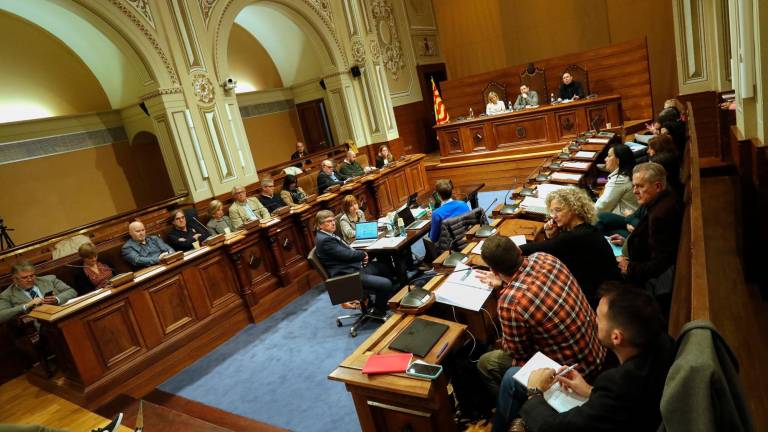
346 288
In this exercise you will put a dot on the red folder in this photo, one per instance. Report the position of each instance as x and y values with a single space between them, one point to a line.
387 363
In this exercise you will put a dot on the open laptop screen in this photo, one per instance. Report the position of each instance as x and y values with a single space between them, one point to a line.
366 230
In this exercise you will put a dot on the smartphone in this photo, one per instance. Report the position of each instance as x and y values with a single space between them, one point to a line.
420 369
48 294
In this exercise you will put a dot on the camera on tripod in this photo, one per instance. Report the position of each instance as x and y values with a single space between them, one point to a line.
5 239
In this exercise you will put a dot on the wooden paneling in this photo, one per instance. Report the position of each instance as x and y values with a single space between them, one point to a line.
530 130
619 69
115 334
172 305
218 282
707 111
412 127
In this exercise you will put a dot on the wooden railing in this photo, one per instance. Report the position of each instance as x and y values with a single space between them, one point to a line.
691 293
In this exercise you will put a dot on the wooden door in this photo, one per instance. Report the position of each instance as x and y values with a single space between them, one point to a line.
315 125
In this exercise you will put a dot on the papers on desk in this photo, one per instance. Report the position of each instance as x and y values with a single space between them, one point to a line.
616 248
643 138
566 177
547 188
517 239
463 289
595 140
534 205
556 397
585 155
574 165
195 252
418 212
386 242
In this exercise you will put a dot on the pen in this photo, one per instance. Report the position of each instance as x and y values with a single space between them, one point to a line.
568 369
442 350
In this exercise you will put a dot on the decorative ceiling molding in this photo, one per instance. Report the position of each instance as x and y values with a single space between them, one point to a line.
151 37
323 9
205 7
203 88
142 7
162 92
389 40
375 51
358 51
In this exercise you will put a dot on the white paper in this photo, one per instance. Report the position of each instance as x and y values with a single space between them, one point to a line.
565 176
547 188
386 242
598 140
555 396
271 222
584 154
517 239
575 165
418 212
534 205
101 292
463 289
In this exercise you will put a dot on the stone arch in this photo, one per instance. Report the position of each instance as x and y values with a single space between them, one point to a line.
317 25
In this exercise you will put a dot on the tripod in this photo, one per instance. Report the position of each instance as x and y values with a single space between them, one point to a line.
5 238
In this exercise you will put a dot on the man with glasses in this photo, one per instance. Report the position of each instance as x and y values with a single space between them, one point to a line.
338 258
267 198
329 177
28 291
244 209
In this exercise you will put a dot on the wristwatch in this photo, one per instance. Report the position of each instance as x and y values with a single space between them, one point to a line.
534 391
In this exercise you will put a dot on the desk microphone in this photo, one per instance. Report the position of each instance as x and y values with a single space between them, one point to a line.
455 257
486 230
417 297
509 209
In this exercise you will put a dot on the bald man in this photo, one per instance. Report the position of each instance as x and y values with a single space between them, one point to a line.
350 167
142 251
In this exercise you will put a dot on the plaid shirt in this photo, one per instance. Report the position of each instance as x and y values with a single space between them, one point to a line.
543 309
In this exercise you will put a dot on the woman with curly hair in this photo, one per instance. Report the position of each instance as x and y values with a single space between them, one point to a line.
574 240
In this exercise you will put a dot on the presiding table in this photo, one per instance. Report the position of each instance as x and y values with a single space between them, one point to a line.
503 134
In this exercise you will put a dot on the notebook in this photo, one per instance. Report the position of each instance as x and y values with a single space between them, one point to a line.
366 234
387 363
556 397
419 337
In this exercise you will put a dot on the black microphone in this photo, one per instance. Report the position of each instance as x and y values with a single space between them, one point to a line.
455 257
486 230
509 209
417 297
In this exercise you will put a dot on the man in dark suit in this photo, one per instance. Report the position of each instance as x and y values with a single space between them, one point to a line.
329 177
570 89
301 152
626 397
339 259
652 245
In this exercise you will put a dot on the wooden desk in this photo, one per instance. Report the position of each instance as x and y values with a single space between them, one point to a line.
396 401
400 255
497 135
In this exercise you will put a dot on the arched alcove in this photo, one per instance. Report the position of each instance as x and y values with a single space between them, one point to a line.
145 170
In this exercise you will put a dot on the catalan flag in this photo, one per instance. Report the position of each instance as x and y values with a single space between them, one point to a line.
441 115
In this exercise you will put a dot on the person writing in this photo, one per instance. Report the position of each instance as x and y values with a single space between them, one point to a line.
351 216
244 209
94 274
526 98
384 157
141 250
626 397
494 106
27 291
292 193
570 89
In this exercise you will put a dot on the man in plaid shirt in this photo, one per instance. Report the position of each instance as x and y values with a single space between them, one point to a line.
541 308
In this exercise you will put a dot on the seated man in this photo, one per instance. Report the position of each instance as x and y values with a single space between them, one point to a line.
183 236
570 89
28 291
267 198
448 209
301 152
652 246
244 209
626 397
339 259
142 251
329 177
526 98
541 308
350 167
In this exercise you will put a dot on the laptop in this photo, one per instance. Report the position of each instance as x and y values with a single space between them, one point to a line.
419 337
410 222
366 233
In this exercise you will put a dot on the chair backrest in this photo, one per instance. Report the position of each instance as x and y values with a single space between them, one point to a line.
579 74
430 250
453 230
536 81
493 86
345 288
315 262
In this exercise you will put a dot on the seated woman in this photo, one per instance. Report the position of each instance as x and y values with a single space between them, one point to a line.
94 274
617 205
384 157
292 194
495 106
663 150
573 239
183 237
351 215
219 222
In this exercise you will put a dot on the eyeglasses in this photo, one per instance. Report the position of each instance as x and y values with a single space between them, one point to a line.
26 277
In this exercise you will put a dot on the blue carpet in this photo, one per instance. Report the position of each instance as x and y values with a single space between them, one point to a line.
276 371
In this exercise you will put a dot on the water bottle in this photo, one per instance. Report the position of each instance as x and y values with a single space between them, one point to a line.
552 98
471 113
401 226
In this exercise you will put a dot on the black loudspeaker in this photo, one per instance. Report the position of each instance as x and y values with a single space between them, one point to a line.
355 70
143 107
322 83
